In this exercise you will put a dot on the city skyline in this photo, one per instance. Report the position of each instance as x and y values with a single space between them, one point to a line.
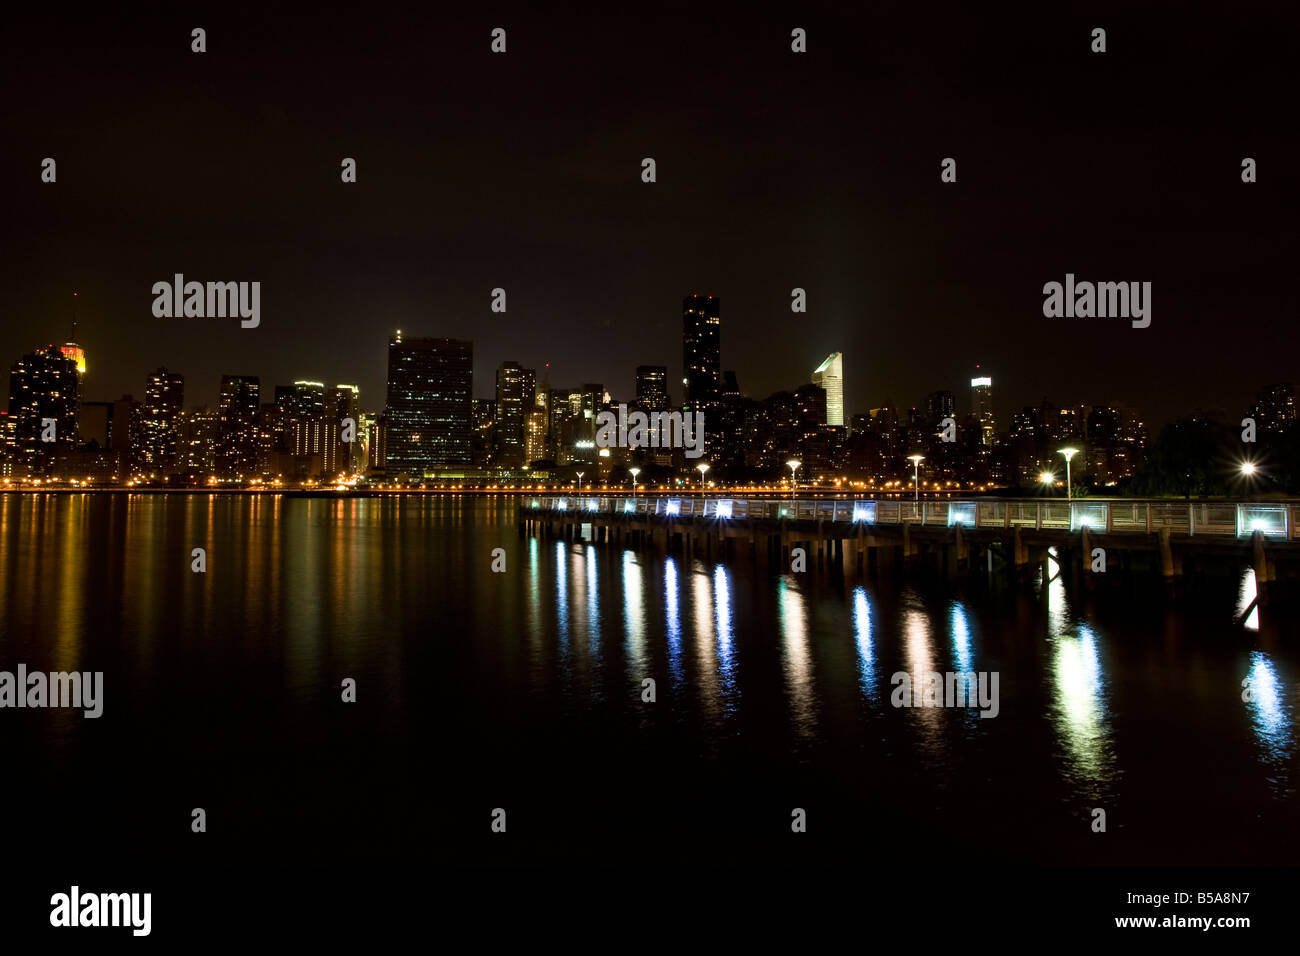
912 278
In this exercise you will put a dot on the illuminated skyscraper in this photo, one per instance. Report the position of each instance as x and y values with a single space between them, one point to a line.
981 401
430 404
652 387
43 395
701 351
237 430
830 376
516 388
164 394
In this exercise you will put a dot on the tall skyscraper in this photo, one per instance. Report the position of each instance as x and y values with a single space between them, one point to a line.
981 401
830 376
339 457
164 394
430 404
1274 408
237 431
516 388
44 391
938 406
308 411
652 387
701 351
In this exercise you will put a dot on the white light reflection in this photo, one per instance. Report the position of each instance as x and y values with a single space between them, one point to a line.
796 659
674 620
1081 714
726 637
634 613
1271 719
867 678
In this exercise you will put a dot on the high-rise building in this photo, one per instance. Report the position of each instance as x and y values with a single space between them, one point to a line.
701 351
44 390
377 447
164 394
339 456
1274 408
830 376
305 420
938 406
516 388
237 426
482 448
196 447
430 404
652 387
981 400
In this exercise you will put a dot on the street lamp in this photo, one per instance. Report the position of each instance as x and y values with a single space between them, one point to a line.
916 475
580 474
1048 479
793 464
701 469
634 472
1248 468
1069 488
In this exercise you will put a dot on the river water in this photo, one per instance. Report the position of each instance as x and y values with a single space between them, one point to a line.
522 690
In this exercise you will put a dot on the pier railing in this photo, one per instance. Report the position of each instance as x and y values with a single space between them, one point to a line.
1240 519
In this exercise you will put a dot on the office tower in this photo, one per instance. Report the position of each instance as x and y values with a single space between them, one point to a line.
652 387
44 391
237 426
430 404
164 394
701 351
535 445
730 384
377 448
938 406
483 413
196 448
516 390
342 406
830 376
981 400
306 418
1274 407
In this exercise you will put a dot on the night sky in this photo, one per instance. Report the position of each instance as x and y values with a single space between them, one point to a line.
775 170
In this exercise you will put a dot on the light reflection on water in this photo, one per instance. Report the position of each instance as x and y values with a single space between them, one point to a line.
796 659
349 585
1272 720
1080 701
868 681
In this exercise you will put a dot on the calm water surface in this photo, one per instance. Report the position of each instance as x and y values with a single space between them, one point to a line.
522 690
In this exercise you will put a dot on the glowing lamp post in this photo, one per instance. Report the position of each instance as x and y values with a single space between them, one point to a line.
793 464
580 474
916 475
1069 488
1048 479
634 472
702 469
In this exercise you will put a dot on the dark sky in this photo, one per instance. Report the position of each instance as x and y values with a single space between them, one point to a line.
775 170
